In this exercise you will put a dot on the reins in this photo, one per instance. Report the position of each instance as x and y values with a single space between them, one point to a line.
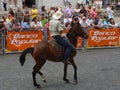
72 34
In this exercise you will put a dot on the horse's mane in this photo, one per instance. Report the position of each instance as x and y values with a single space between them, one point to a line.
72 34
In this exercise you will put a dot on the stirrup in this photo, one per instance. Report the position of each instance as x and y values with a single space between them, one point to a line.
67 62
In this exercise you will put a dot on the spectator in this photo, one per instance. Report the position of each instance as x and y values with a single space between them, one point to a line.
15 2
105 22
16 26
84 23
83 11
11 12
97 23
26 13
43 20
8 21
19 15
99 10
108 9
93 12
43 11
87 2
85 26
26 24
89 9
69 10
5 5
112 23
34 11
66 2
67 19
35 24
89 19
7 24
77 11
9 18
110 13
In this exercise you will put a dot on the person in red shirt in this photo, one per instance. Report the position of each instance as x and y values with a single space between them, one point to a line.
93 12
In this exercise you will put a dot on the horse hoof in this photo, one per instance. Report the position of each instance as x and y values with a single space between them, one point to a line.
37 86
44 81
66 80
75 81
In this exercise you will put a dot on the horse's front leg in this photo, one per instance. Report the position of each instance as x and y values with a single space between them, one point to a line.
75 70
65 73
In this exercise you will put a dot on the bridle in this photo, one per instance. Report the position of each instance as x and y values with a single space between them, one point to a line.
72 35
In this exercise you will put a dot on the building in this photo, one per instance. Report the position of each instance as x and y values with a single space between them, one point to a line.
11 4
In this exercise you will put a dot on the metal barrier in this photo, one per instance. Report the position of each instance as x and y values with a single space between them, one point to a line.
2 43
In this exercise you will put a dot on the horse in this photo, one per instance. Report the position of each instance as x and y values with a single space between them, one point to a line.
43 51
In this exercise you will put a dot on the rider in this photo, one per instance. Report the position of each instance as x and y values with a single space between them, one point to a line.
56 28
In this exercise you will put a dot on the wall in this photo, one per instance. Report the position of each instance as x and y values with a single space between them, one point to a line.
49 3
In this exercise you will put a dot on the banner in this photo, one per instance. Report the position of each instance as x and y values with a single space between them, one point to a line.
23 40
79 42
103 37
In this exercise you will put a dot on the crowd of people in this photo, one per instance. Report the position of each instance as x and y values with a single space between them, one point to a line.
35 19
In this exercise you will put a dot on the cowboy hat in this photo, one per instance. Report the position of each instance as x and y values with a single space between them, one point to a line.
57 15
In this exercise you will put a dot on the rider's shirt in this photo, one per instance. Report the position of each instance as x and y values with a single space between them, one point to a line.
55 27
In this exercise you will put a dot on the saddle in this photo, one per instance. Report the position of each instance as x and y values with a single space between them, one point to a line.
58 47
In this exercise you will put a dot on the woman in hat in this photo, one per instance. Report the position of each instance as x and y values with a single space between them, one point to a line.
56 28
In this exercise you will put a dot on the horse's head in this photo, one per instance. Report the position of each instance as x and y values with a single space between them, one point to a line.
78 31
75 32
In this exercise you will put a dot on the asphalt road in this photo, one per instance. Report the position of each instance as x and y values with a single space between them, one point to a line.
98 69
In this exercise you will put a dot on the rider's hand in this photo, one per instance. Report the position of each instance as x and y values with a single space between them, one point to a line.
63 35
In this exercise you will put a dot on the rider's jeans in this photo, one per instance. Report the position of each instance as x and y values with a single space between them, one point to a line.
68 47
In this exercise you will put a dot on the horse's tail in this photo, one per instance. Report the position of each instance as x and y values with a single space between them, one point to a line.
23 54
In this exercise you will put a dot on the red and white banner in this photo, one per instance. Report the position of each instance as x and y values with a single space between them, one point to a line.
23 40
104 37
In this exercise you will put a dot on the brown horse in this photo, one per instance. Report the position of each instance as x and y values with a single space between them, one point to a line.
46 51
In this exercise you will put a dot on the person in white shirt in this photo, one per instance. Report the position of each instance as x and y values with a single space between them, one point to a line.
80 17
67 19
35 24
84 23
90 20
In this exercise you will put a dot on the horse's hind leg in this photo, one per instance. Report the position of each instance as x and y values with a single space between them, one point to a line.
75 69
43 77
36 69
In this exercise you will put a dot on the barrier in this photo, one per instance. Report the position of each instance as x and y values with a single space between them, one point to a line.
0 42
23 40
11 42
104 37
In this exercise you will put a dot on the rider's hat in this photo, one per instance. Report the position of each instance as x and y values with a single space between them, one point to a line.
57 15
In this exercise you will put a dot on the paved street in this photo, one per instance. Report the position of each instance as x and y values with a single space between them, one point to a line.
98 69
